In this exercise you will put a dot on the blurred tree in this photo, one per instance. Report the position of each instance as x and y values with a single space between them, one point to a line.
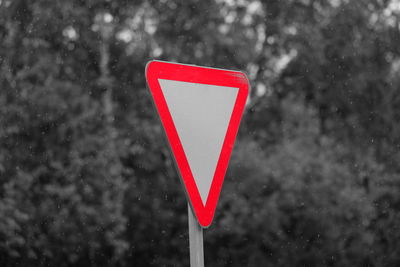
86 177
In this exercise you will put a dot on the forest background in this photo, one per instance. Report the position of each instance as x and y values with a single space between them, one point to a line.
86 178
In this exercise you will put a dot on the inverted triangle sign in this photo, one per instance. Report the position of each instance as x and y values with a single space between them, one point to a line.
200 109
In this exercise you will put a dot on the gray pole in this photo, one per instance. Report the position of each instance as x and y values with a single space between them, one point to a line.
195 240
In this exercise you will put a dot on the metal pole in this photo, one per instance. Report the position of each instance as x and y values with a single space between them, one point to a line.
195 240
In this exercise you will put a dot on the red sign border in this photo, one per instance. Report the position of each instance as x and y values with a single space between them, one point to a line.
195 74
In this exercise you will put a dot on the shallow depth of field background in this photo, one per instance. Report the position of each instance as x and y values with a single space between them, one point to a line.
86 178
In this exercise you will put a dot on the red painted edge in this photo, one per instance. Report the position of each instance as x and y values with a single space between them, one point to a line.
189 73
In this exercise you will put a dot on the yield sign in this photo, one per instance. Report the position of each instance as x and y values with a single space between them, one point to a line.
200 109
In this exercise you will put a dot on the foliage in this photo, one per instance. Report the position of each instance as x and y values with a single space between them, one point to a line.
86 176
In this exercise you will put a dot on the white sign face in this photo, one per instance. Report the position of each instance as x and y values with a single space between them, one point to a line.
201 115
200 109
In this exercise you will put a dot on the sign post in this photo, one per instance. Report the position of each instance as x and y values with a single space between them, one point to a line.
195 240
200 109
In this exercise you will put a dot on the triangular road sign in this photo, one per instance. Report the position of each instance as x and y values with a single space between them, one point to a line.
200 109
